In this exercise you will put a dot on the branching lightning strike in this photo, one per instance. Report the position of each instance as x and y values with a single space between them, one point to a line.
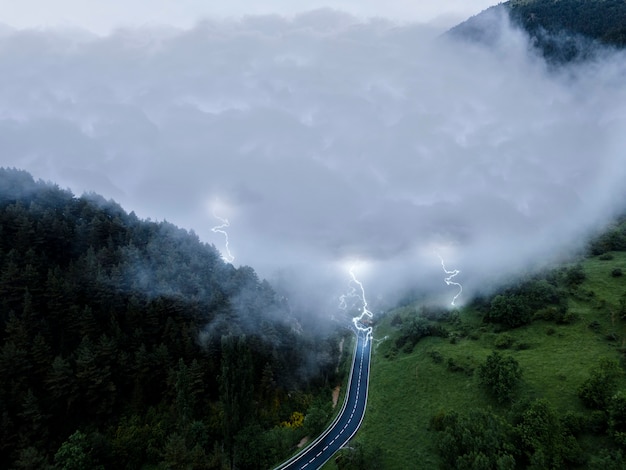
357 291
448 280
228 257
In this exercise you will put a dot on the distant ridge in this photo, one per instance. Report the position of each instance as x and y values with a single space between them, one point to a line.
562 30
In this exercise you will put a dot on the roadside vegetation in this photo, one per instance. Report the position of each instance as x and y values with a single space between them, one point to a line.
529 377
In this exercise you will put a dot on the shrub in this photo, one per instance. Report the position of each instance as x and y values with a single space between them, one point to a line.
509 310
575 275
596 391
543 438
480 439
594 325
617 272
504 341
566 317
435 356
617 418
396 320
499 375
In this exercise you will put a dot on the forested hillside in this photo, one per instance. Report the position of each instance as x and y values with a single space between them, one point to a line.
563 30
603 20
130 344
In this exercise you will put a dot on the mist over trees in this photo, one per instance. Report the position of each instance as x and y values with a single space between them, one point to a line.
562 30
126 342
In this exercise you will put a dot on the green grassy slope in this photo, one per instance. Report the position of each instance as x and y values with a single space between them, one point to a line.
407 389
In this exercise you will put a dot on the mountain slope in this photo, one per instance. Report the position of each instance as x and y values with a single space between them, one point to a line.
601 20
132 343
562 30
565 329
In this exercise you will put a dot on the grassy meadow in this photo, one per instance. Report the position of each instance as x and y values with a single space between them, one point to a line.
410 385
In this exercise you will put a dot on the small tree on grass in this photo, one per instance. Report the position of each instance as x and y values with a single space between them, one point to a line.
596 391
509 310
543 438
475 441
617 419
499 375
357 456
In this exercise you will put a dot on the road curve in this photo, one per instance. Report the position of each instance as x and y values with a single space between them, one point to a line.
350 417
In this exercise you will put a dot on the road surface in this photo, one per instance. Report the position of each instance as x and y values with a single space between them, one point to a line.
349 419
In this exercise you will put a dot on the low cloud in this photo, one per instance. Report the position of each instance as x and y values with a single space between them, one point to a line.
328 141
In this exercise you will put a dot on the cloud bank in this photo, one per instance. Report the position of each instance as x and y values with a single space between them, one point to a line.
328 141
103 17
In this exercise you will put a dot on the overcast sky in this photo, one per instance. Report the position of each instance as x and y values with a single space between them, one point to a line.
102 16
324 139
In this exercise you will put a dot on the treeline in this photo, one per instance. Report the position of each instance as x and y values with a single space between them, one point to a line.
127 344
561 30
601 20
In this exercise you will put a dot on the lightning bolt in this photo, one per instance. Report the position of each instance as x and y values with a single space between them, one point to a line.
448 280
357 291
229 258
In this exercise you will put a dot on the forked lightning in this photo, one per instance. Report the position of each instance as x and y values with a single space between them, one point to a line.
357 291
228 257
448 280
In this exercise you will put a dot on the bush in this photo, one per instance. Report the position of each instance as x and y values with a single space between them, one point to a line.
617 418
575 275
596 391
608 460
504 341
594 325
509 310
460 365
617 272
435 356
566 317
396 320
359 457
412 330
499 375
480 439
543 438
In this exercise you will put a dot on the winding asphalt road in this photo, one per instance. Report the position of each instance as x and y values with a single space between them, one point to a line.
349 419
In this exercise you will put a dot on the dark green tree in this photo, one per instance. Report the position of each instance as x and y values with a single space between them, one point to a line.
499 375
358 456
545 441
596 391
75 453
509 310
475 441
617 419
236 389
